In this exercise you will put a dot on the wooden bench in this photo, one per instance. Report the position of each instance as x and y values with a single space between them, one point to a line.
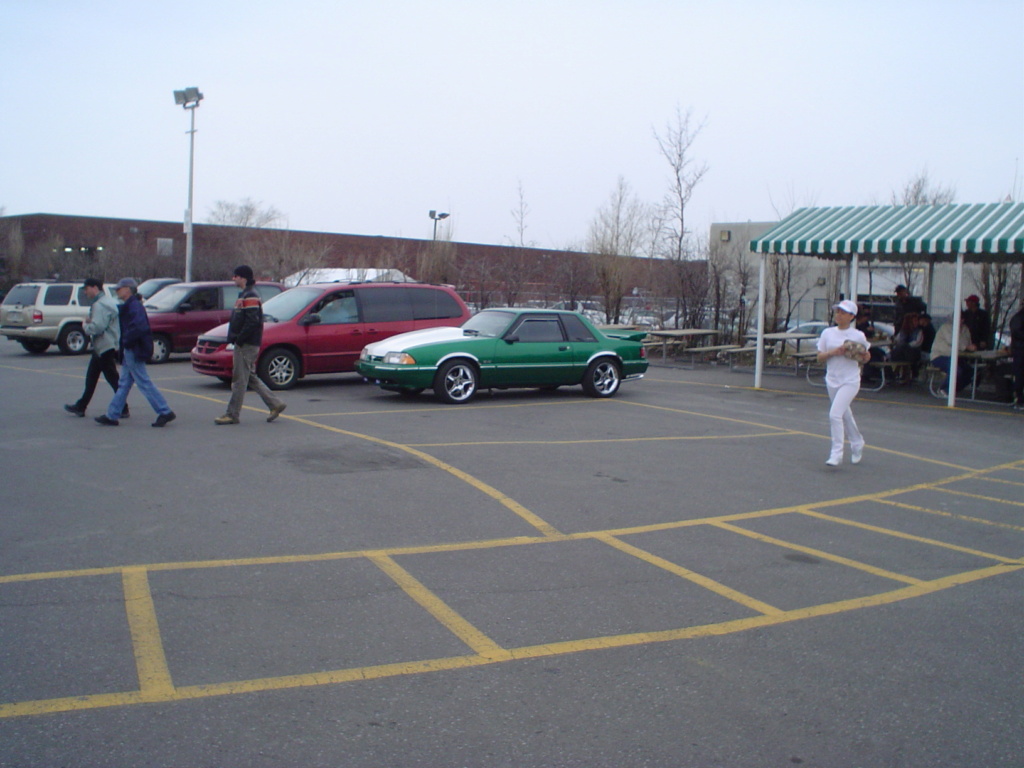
881 366
695 353
736 353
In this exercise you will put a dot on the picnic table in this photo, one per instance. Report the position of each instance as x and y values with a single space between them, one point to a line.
980 360
784 336
678 335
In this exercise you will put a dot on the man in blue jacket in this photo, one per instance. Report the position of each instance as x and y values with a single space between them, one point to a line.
245 332
136 349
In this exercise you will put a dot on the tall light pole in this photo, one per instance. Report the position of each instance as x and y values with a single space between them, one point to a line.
438 217
189 99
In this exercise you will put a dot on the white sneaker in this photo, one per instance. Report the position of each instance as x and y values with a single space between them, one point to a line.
856 454
833 461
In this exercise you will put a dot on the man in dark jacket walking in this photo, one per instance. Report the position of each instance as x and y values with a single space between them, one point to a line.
136 349
245 331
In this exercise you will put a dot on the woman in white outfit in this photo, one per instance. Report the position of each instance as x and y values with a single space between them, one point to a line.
842 378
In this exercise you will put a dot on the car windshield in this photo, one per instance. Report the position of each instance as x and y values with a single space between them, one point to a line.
488 323
167 298
288 304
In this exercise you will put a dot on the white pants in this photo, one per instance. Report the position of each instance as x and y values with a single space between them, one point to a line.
840 418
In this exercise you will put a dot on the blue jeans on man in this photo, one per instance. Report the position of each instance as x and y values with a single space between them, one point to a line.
133 371
963 371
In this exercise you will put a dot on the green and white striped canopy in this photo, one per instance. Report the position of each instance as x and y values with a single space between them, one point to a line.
981 233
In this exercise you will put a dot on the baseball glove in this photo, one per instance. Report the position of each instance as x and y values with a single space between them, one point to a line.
853 349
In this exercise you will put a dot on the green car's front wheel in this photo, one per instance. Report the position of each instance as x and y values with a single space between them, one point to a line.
602 378
455 382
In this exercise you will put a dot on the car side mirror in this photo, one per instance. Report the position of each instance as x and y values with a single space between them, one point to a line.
311 319
511 339
185 306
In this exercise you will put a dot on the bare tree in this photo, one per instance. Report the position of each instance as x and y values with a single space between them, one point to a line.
245 213
675 146
616 231
514 267
920 190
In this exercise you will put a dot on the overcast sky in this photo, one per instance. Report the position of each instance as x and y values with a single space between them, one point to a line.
359 116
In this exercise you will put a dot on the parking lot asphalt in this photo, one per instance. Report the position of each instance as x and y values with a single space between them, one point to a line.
671 577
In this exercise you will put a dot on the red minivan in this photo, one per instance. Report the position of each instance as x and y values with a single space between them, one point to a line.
182 311
322 328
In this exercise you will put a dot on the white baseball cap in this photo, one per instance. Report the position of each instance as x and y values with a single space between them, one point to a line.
847 306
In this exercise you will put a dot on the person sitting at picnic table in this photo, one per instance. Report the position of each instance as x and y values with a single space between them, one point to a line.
978 323
924 322
906 346
903 303
942 351
866 326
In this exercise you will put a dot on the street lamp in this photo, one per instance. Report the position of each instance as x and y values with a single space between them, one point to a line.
438 217
189 99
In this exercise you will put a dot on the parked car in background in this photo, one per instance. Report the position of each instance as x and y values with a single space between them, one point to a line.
148 287
322 328
180 312
38 314
504 349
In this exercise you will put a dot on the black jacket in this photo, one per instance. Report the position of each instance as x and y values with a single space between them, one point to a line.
246 324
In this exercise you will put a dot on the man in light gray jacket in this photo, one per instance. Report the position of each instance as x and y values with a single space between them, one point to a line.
105 331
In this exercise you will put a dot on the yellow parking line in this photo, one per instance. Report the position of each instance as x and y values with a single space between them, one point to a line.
67 704
150 661
666 438
707 583
980 497
440 610
819 554
966 518
507 502
907 536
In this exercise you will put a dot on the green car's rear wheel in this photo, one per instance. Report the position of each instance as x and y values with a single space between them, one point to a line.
602 378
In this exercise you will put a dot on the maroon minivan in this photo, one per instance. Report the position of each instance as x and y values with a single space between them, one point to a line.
322 328
182 311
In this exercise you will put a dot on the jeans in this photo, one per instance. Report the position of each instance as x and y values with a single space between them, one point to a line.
133 371
106 364
840 419
963 371
243 376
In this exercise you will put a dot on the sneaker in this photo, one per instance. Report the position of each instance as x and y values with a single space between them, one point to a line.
76 409
276 411
856 454
225 419
833 461
105 421
164 418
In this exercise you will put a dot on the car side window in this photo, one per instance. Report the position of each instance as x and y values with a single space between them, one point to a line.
385 305
433 304
267 291
339 308
576 330
539 329
203 299
57 296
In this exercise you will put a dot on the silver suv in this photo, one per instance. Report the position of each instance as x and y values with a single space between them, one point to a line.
39 314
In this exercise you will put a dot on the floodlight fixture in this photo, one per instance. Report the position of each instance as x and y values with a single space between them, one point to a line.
189 98
437 217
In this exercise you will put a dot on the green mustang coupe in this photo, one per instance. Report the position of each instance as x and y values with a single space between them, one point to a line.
504 349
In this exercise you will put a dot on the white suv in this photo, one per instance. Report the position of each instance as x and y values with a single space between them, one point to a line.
40 314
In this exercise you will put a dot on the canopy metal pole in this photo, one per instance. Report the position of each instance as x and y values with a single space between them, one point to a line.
954 352
851 292
759 354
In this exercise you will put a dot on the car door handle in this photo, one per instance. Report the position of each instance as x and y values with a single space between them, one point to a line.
563 349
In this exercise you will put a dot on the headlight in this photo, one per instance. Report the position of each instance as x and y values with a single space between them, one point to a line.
229 347
399 358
